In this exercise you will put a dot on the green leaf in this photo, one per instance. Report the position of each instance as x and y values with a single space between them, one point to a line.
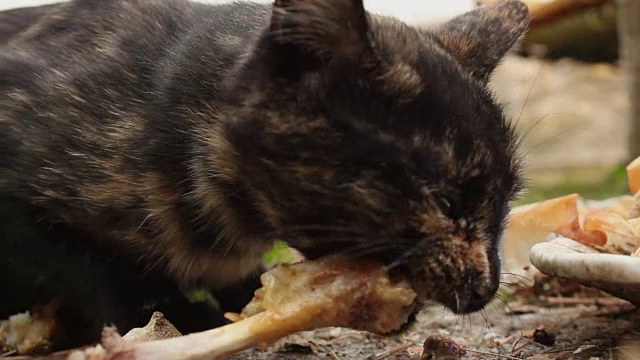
279 254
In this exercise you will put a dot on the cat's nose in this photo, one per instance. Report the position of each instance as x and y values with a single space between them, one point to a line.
481 291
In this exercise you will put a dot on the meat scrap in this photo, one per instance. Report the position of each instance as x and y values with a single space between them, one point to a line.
297 297
614 228
30 332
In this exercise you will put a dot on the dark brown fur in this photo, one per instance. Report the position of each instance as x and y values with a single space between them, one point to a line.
191 136
14 21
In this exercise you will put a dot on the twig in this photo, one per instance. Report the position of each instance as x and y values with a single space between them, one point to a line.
493 354
391 351
333 354
585 301
513 347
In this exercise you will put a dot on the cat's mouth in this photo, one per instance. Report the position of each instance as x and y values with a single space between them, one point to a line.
472 299
461 290
465 295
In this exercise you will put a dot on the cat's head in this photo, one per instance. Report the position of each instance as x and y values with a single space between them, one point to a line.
361 135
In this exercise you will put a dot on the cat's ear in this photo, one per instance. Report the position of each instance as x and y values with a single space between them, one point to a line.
480 38
321 28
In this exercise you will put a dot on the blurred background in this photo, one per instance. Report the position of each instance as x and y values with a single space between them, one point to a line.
566 86
415 11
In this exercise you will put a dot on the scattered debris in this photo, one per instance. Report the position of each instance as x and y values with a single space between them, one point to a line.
29 332
439 347
541 336
91 353
388 353
307 348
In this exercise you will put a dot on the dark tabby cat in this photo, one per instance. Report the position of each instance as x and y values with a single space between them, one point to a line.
13 21
152 146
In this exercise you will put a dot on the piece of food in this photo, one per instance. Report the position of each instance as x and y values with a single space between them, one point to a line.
91 353
635 209
612 229
633 178
361 294
574 230
604 230
620 235
296 297
633 175
532 224
623 206
29 332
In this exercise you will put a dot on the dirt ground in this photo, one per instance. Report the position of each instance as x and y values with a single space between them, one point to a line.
582 332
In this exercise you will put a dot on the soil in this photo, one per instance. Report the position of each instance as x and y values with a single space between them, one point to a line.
581 332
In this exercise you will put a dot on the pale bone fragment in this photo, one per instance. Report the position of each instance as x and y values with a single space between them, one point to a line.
157 328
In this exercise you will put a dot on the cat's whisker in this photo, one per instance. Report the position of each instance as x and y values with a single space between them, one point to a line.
301 228
401 259
517 275
526 100
143 222
523 136
370 249
230 244
506 303
532 149
343 240
513 285
487 327
151 264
